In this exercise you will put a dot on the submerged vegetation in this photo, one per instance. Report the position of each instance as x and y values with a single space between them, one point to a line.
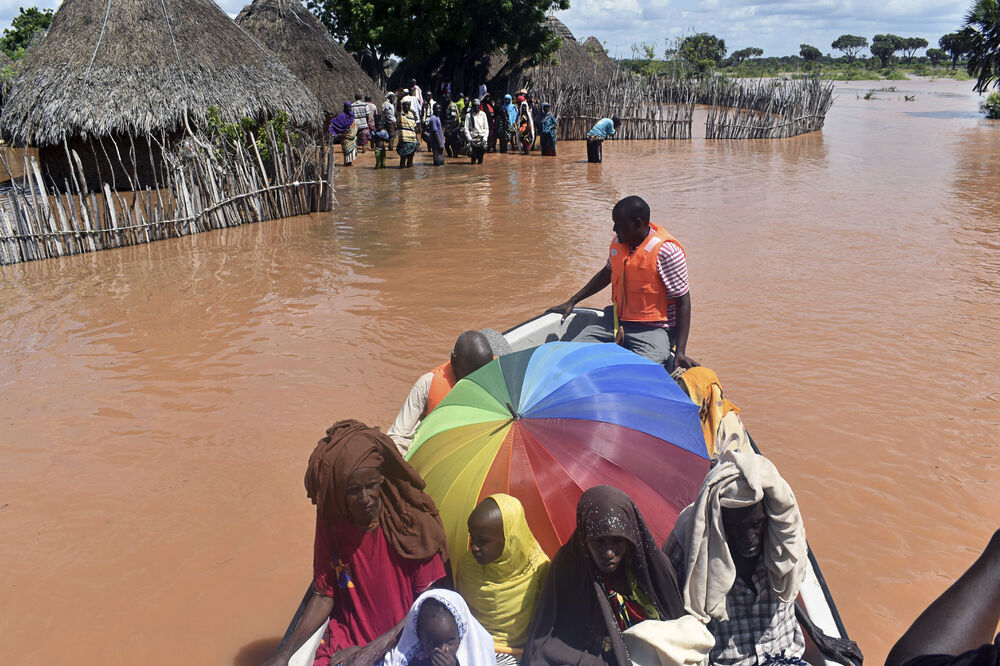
991 106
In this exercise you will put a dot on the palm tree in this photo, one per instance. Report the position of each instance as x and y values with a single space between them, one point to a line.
983 20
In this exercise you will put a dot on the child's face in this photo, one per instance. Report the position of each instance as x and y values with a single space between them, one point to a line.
439 639
486 538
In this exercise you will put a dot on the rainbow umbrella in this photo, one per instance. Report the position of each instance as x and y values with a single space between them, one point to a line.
546 423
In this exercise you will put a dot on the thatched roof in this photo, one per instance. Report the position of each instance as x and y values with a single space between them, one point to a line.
306 47
573 59
138 65
558 27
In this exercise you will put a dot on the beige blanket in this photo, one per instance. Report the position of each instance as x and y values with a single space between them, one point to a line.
740 479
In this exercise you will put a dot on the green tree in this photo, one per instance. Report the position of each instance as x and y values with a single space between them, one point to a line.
936 56
458 35
884 46
983 20
910 46
703 51
809 53
956 44
737 57
28 25
850 45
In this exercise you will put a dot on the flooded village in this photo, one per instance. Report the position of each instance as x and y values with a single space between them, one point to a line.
201 270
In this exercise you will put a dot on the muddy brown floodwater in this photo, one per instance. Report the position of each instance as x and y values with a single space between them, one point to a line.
158 403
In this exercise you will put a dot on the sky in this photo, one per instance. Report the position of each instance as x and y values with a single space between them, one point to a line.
777 26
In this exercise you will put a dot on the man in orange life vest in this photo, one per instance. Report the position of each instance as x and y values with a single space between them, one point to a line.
472 351
647 271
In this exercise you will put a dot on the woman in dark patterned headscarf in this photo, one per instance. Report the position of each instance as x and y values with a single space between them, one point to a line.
609 576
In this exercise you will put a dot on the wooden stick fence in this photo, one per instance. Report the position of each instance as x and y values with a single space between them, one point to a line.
196 188
662 107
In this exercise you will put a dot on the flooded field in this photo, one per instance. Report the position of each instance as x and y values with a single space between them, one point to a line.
158 403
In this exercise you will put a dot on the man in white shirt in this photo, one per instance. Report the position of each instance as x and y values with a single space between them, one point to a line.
477 126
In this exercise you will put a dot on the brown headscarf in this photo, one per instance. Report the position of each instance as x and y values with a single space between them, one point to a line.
573 616
409 517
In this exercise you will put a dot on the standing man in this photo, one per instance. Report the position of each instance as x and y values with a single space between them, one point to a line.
359 109
651 300
505 123
435 136
549 127
477 125
604 129
419 94
451 126
389 118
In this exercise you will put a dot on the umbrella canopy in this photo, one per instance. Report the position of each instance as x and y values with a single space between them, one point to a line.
547 423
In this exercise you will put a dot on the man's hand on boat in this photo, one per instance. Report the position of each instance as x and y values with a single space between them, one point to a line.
564 309
682 360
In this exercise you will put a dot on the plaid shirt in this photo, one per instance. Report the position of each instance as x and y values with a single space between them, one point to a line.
760 628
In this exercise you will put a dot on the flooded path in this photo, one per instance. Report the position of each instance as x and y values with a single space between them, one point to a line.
158 403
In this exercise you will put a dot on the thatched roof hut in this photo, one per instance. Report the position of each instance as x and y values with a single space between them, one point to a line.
306 47
145 66
572 59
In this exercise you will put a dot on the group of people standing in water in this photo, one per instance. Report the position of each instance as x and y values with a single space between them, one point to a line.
452 126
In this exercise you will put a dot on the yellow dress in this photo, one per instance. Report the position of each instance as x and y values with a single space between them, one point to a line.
503 593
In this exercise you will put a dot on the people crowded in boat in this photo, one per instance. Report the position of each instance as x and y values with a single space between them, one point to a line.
721 591
737 559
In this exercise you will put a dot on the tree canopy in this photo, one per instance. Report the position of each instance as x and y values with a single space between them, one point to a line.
458 34
703 51
983 20
956 44
910 46
737 57
884 46
936 55
28 25
809 53
850 45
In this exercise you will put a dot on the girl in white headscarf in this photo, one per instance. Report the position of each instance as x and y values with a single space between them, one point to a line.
440 631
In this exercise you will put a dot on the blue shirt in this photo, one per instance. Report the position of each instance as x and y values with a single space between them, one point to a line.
434 125
604 129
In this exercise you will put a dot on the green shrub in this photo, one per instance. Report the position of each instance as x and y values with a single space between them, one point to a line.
991 107
225 136
894 75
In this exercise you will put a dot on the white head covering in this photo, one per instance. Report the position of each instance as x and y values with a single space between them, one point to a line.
475 648
740 479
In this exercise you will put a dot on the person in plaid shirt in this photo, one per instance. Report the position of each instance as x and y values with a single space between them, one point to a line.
740 553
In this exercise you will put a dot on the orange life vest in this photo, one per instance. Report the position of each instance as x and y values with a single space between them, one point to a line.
636 287
443 381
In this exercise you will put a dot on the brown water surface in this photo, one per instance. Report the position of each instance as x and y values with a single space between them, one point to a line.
159 403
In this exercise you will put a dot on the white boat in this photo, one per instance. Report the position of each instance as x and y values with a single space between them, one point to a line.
814 595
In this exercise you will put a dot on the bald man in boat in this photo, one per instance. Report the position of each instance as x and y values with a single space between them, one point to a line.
647 271
472 351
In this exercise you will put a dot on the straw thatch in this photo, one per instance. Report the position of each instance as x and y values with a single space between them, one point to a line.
145 66
572 59
306 47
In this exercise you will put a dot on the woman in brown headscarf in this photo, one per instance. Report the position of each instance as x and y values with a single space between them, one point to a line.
379 542
609 576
